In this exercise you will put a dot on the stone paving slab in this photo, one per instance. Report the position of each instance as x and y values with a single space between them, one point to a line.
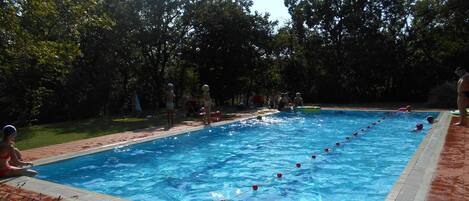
57 191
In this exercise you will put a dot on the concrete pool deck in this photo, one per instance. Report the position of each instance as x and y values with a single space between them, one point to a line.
407 187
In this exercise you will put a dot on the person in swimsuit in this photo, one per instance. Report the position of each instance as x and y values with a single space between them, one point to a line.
207 103
8 156
418 127
463 94
284 102
170 96
430 119
298 101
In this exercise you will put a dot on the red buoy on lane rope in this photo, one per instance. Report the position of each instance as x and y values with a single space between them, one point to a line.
279 175
298 165
255 187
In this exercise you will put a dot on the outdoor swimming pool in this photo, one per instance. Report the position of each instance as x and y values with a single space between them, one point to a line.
225 162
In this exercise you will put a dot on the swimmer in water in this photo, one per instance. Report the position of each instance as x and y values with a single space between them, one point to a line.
418 127
431 120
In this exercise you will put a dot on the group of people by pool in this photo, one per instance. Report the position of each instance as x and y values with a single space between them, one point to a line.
418 126
190 105
11 161
281 102
284 103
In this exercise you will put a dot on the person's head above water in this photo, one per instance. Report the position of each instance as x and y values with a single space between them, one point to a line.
298 94
430 119
8 132
419 126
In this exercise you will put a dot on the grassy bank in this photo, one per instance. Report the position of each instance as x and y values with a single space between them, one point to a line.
56 133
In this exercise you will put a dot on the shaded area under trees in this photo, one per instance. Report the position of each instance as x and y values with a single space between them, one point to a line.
62 60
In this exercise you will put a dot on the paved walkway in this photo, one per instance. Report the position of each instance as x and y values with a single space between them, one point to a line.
451 180
11 193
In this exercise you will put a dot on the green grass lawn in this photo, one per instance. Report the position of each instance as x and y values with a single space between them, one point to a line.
56 133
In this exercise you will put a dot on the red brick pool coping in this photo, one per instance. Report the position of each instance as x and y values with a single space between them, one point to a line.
451 180
12 193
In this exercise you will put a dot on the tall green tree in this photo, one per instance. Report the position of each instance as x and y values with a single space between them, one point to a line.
41 47
230 46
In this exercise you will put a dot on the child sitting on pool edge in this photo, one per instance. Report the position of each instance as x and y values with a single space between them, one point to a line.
10 163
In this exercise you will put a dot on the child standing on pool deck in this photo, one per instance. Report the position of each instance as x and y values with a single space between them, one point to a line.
170 96
207 103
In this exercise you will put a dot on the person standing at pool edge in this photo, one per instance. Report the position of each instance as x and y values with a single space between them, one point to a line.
170 96
298 101
207 103
463 95
9 156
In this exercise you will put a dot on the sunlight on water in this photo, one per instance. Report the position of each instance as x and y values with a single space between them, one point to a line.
225 162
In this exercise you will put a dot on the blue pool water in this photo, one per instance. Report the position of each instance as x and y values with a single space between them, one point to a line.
224 162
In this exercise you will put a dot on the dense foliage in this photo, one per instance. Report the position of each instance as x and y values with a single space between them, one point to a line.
63 60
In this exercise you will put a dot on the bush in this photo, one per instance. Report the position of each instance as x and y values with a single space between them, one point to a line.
443 96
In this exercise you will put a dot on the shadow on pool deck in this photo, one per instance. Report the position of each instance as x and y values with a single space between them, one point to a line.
451 180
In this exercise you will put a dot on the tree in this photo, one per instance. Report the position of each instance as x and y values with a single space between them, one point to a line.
230 46
42 45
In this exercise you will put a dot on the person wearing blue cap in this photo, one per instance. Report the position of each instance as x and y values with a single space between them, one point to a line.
10 164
